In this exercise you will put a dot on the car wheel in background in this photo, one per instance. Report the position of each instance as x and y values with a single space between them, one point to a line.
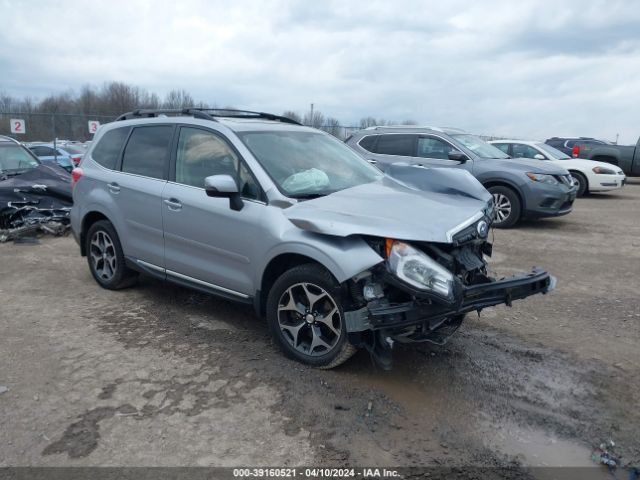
105 257
507 206
305 315
581 181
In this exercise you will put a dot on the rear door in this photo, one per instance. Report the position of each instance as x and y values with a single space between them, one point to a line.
137 189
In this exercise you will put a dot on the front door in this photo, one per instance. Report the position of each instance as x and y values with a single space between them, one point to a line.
434 151
207 242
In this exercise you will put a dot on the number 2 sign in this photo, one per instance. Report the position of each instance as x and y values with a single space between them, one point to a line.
18 125
93 126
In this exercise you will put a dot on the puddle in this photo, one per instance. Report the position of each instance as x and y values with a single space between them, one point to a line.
535 448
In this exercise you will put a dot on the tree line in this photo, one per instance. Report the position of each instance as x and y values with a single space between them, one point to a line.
65 115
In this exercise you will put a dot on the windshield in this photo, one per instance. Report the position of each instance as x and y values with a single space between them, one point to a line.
308 164
553 152
479 147
15 158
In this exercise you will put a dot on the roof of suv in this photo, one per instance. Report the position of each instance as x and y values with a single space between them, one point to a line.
411 129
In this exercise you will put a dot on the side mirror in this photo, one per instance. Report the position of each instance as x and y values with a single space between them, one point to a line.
539 156
457 156
224 186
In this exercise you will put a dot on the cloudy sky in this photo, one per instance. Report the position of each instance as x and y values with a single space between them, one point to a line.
522 68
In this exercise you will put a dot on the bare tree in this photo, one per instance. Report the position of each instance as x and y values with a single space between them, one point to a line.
178 99
293 116
316 121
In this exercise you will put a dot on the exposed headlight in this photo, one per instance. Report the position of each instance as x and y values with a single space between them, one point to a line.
420 270
543 178
603 171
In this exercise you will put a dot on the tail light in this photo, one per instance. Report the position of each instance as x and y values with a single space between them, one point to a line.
575 151
76 174
76 160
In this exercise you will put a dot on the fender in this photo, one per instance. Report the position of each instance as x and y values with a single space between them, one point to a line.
503 180
343 257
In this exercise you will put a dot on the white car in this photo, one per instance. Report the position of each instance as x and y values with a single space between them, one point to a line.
591 176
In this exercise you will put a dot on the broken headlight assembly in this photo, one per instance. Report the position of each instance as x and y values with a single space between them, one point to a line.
419 270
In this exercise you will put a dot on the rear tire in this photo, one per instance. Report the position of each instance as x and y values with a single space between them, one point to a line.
106 259
305 316
583 184
507 205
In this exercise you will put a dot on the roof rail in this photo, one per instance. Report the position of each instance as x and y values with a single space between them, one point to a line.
204 113
155 112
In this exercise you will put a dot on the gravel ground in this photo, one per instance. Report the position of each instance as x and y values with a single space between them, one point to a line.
159 375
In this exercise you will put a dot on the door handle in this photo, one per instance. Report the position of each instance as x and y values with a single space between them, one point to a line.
113 187
372 161
173 204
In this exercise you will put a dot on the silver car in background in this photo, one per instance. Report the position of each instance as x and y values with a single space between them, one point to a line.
259 209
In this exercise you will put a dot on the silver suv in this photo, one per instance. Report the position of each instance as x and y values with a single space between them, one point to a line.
257 208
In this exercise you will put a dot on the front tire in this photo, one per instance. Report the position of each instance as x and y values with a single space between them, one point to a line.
507 206
105 257
583 184
305 316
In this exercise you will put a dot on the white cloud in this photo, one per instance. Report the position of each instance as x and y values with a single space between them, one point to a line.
526 68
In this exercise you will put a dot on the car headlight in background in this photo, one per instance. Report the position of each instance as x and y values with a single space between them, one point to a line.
543 178
418 269
603 171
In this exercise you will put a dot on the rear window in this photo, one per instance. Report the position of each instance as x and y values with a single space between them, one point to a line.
369 143
397 144
109 147
147 151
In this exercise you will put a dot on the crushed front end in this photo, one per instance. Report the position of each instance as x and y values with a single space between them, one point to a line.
422 290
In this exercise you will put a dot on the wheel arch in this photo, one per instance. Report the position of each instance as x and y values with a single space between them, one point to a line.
342 258
89 219
503 183
583 175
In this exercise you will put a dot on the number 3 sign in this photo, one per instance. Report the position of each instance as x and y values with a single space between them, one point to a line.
18 126
93 126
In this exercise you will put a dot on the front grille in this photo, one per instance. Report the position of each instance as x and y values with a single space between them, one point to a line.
566 179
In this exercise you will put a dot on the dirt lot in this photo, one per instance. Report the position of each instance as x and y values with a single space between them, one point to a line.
158 375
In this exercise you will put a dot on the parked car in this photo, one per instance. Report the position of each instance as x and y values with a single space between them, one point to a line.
47 153
569 145
520 188
75 151
627 157
259 209
32 194
589 175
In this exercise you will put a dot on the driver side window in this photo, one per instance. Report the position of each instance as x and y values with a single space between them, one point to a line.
202 154
431 147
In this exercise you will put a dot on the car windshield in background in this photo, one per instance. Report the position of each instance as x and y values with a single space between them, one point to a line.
308 164
479 147
14 158
553 152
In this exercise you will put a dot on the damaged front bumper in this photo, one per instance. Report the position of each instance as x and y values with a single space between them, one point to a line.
429 315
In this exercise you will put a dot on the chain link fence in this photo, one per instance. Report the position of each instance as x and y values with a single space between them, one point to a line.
47 126
44 127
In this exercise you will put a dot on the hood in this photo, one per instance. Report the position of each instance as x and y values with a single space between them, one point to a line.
42 181
526 165
389 208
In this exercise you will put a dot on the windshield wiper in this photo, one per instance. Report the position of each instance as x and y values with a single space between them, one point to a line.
307 196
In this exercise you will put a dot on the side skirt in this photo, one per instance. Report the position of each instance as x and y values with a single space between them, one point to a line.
186 281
